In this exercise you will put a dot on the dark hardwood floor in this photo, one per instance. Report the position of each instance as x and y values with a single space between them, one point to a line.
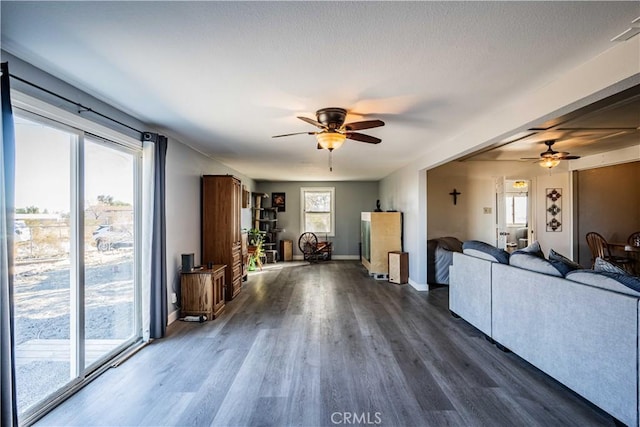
322 345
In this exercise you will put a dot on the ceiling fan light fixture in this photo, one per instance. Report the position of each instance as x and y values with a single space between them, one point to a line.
520 184
549 163
330 139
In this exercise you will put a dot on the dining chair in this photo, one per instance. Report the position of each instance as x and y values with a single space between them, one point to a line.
634 239
599 248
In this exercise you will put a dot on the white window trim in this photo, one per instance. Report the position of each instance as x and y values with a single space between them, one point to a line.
40 108
332 190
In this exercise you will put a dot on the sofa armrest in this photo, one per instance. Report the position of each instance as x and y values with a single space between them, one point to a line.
470 290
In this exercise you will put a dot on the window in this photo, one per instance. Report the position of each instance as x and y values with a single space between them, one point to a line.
76 278
318 210
516 204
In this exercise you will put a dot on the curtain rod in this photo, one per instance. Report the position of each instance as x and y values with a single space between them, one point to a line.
81 108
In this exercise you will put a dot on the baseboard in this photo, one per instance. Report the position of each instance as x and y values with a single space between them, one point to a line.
419 286
173 316
345 257
333 257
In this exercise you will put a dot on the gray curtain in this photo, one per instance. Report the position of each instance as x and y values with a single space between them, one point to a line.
7 200
158 301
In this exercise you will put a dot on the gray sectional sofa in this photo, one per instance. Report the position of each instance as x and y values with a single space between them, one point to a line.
581 329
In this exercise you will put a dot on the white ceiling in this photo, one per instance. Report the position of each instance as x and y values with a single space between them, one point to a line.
223 77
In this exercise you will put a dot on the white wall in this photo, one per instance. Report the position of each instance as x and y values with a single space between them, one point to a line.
184 168
465 220
404 191
610 72
559 241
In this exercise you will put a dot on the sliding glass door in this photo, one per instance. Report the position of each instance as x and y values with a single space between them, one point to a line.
109 255
43 266
76 280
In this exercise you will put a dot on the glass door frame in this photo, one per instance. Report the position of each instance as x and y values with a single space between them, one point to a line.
80 374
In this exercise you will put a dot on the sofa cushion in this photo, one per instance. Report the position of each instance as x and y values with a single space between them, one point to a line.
478 249
605 266
533 262
561 262
532 249
623 283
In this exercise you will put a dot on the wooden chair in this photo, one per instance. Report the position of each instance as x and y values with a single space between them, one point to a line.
599 248
634 239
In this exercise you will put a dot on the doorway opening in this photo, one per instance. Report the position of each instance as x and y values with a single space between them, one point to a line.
513 213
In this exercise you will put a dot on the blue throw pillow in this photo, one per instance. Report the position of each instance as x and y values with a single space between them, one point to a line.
568 265
532 249
605 266
563 268
484 250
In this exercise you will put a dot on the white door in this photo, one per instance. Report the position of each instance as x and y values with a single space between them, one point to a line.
531 213
501 219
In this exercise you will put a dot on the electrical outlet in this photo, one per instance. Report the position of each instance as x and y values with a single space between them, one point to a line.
174 297
487 210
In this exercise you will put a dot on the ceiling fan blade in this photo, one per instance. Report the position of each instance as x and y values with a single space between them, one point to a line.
530 158
566 156
365 124
363 138
312 122
560 154
296 133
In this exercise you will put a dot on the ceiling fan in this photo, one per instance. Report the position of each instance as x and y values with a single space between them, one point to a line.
333 129
551 158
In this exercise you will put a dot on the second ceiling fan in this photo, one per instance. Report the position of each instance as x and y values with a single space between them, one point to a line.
333 129
551 158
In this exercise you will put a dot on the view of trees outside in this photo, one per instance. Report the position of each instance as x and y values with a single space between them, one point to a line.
43 280
110 264
317 206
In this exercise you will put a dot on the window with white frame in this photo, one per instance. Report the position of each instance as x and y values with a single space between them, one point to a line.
317 213
516 205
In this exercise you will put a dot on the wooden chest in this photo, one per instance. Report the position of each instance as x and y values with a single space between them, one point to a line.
202 292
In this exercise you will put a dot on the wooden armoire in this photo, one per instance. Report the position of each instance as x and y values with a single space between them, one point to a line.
221 229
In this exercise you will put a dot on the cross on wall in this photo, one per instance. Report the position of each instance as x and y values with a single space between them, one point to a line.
455 195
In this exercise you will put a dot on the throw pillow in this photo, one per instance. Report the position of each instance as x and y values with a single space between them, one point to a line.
534 263
532 249
556 259
484 250
602 265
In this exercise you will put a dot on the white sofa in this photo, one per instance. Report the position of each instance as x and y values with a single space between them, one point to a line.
581 330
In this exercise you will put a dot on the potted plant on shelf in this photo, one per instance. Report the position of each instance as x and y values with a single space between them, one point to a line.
255 249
